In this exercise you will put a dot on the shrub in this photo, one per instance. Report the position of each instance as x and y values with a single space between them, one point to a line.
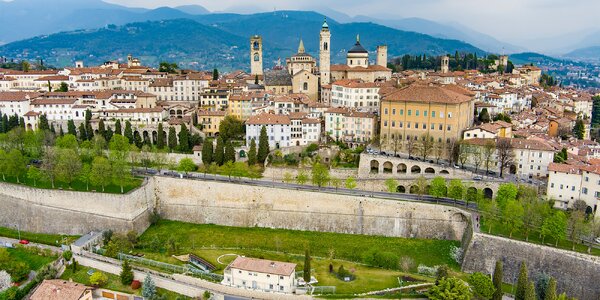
67 255
457 254
206 295
426 270
382 259
126 273
98 279
136 284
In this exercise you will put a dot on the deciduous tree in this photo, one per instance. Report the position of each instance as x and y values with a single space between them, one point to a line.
438 187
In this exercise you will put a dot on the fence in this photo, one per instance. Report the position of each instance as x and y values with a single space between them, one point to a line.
318 290
187 269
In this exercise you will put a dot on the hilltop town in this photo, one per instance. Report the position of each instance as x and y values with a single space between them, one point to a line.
181 173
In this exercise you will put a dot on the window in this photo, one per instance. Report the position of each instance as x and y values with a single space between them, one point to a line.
424 113
385 111
597 194
424 126
409 112
433 113
417 112
402 112
449 115
393 111
552 185
561 186
416 125
400 125
449 127
584 191
573 188
384 123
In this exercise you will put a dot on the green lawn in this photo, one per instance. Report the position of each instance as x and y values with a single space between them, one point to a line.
42 238
77 185
342 246
30 257
534 237
114 283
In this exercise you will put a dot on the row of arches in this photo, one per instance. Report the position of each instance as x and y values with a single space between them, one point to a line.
402 168
488 193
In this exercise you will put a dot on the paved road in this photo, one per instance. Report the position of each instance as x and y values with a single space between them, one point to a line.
292 186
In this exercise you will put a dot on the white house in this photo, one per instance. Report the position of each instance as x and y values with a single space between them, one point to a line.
304 130
278 129
569 183
12 103
356 94
260 274
350 126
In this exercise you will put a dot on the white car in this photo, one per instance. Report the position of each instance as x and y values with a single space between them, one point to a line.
597 240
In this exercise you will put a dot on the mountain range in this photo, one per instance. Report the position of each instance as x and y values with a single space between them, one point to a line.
221 40
35 18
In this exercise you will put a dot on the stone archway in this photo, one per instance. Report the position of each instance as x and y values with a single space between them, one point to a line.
414 189
429 170
387 167
401 168
415 169
444 172
374 166
513 169
488 193
154 136
400 189
471 194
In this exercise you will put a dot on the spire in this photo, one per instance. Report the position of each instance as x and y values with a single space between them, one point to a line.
325 25
358 39
301 47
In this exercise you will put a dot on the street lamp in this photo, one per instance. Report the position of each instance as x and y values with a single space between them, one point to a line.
18 230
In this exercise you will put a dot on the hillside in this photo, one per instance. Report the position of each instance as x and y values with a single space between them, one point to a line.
222 40
591 54
532 57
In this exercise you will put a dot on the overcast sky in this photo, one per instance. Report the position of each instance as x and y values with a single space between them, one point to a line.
508 20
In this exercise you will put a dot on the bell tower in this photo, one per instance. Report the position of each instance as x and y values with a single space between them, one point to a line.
445 64
256 55
325 54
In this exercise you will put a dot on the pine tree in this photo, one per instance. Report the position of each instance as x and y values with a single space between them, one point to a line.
263 146
551 290
82 133
71 128
128 132
118 129
306 266
498 281
172 143
148 288
43 123
219 153
207 152
184 139
160 138
252 153
229 153
530 292
522 283
126 273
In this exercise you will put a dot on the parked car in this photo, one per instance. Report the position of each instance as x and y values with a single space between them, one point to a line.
597 240
477 178
456 166
23 242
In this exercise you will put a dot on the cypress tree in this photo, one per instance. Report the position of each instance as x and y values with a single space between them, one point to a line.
498 281
252 153
207 152
43 123
128 132
215 74
109 134
229 153
5 124
1 123
52 129
71 128
61 132
137 139
160 138
89 131
306 266
522 283
82 134
22 122
219 154
551 290
530 292
172 138
102 129
184 139
118 129
263 145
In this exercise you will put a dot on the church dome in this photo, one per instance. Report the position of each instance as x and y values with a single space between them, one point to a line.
358 48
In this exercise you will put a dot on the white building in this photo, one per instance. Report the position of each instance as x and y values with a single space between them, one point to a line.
569 183
260 274
278 130
12 103
489 131
350 126
304 130
356 94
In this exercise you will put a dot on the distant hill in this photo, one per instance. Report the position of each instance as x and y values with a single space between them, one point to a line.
193 9
591 54
532 57
221 40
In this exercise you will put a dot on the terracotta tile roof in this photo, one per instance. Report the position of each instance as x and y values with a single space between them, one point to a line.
57 289
297 115
427 93
349 113
32 113
168 82
355 83
370 68
263 266
214 113
53 101
136 110
310 121
53 78
17 96
268 119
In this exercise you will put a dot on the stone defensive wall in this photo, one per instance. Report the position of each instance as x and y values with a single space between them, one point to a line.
70 212
576 274
248 206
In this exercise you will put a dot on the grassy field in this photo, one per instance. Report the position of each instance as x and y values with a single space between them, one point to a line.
77 185
32 259
41 238
332 245
534 237
114 283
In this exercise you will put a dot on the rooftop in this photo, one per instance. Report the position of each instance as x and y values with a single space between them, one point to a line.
263 266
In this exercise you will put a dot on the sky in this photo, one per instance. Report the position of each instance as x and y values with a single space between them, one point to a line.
508 20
